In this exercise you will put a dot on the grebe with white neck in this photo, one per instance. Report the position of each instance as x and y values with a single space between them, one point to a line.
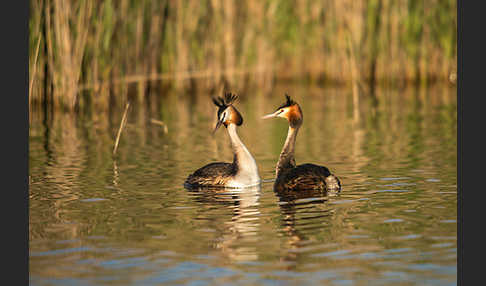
243 171
292 177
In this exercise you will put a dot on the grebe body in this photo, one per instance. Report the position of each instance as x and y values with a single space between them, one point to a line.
307 177
243 171
292 177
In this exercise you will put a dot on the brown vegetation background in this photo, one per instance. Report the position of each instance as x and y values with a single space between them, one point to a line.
96 52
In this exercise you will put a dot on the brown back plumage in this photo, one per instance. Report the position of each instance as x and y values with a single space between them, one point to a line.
214 174
307 177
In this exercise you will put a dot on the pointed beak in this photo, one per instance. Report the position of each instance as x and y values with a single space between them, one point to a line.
269 116
217 126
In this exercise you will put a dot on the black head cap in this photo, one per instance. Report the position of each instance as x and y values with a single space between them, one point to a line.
224 102
287 103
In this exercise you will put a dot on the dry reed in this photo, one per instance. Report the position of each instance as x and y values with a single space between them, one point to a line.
101 46
161 123
122 125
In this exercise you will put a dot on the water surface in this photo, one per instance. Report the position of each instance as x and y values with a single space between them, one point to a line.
95 219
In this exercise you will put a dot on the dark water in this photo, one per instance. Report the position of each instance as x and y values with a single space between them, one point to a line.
96 220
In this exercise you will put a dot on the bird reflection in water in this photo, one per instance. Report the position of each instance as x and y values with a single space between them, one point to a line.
239 234
303 215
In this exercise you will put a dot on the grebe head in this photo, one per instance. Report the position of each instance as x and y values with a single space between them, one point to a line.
227 113
289 110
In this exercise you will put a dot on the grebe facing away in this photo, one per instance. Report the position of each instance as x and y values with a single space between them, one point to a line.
243 172
302 177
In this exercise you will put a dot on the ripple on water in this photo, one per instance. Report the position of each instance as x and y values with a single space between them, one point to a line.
60 251
340 202
358 236
336 253
91 200
123 263
392 191
399 184
394 178
393 220
448 221
97 221
398 250
409 236
442 245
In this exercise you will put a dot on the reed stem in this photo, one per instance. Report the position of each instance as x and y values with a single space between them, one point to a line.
120 129
89 43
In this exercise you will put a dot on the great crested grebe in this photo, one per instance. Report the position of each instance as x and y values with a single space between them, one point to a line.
302 177
243 172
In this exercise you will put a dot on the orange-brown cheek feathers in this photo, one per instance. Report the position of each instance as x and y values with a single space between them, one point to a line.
236 117
290 110
233 117
294 115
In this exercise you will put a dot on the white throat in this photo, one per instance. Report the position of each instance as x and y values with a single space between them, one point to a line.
247 174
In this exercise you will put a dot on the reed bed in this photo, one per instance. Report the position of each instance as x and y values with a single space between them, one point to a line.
92 52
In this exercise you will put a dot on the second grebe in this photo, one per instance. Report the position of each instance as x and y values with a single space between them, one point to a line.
302 177
243 172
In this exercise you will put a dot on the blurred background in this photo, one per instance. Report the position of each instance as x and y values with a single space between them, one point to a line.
101 53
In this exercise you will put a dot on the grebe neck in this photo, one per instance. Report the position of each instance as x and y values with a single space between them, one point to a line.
247 170
286 160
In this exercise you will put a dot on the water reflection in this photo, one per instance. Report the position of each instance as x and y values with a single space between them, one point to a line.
240 232
301 215
290 197
397 162
64 164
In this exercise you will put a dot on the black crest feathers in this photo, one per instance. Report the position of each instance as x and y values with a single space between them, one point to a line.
225 101
288 102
